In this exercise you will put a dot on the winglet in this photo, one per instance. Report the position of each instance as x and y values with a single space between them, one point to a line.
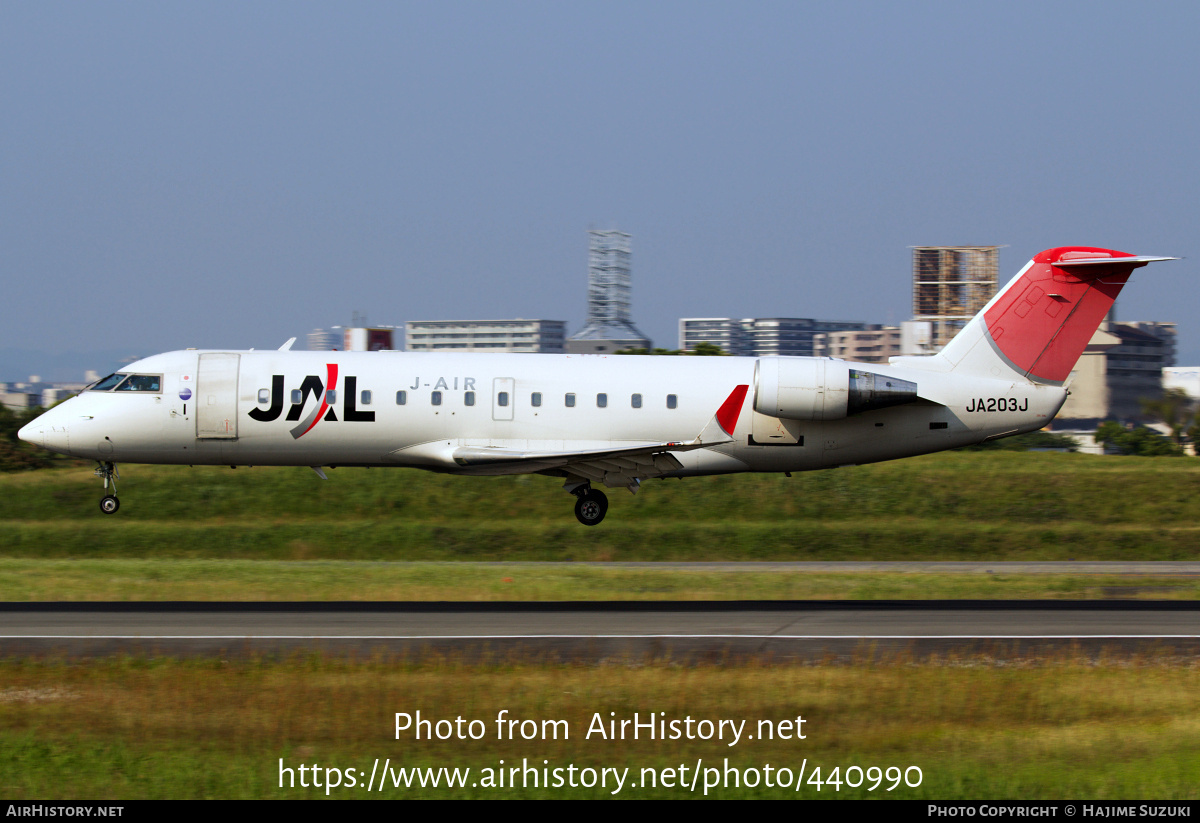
731 409
288 345
720 428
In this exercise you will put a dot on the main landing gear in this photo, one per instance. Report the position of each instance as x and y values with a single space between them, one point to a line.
591 506
109 502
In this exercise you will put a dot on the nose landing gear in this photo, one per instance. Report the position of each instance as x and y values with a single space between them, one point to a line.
109 502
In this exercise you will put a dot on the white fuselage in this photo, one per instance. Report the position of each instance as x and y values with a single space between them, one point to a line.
234 407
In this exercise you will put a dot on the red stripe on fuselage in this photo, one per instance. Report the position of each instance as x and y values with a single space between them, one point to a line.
331 371
1044 321
731 409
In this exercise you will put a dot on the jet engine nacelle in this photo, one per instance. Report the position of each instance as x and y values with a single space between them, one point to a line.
813 388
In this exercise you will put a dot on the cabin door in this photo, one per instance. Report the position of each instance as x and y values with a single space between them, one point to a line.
216 396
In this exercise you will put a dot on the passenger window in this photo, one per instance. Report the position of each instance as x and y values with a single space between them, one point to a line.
502 398
401 398
672 401
570 400
601 401
264 395
297 397
436 398
469 398
331 396
535 399
364 397
636 401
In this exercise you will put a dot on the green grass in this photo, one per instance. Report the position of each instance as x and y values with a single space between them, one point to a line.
951 506
251 580
134 727
241 532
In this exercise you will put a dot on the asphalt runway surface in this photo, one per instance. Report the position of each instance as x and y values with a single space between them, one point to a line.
590 632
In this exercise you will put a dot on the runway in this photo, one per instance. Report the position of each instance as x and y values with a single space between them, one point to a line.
590 632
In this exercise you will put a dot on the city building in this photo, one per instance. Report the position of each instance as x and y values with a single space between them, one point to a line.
544 336
1168 333
322 340
725 332
364 339
916 338
951 284
19 398
608 327
28 394
1121 366
758 336
1186 378
874 344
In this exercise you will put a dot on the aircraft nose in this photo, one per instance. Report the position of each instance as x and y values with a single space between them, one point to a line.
33 432
48 431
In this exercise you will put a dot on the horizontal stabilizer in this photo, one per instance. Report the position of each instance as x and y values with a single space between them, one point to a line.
1100 261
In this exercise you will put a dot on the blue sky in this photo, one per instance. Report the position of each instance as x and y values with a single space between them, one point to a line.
233 174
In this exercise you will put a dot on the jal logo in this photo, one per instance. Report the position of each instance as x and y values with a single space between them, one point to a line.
324 395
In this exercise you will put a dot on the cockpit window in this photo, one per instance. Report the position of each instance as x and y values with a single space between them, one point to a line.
141 382
107 383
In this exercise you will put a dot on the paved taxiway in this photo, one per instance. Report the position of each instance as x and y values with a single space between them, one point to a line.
592 631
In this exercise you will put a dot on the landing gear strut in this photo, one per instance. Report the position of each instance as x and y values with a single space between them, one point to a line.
591 506
109 502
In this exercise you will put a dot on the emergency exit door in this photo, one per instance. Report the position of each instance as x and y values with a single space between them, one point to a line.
503 398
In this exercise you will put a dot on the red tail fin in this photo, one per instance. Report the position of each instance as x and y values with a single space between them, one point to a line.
1042 322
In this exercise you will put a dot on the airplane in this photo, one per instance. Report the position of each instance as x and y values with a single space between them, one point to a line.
595 420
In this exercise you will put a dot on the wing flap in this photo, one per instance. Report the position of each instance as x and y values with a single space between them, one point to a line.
615 467
495 455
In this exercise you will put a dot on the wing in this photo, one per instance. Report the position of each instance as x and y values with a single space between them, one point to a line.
614 467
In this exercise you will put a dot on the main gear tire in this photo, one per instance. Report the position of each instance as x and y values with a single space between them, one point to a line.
591 507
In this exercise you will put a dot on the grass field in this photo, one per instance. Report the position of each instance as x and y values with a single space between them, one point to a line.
24 579
953 506
1062 728
283 534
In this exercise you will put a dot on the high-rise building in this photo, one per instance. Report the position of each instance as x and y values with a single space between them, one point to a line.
951 284
608 327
